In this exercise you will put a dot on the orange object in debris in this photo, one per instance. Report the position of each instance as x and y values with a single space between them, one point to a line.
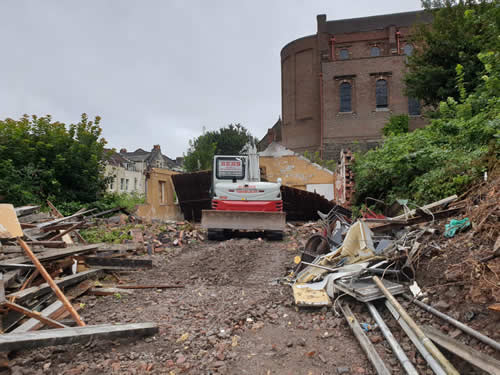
51 282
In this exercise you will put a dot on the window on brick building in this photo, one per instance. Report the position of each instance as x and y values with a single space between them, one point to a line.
375 51
408 49
345 97
344 54
381 93
413 107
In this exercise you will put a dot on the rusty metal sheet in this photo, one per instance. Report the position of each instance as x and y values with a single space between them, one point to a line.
193 193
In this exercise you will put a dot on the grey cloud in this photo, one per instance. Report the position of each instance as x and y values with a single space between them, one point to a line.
156 71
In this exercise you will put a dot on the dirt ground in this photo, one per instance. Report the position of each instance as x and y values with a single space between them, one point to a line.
232 317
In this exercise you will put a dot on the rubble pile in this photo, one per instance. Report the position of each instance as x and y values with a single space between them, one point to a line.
433 256
44 274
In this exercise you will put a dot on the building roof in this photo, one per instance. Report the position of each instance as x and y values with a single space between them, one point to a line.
352 25
140 155
115 158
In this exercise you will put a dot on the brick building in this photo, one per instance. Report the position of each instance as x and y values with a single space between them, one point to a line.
340 85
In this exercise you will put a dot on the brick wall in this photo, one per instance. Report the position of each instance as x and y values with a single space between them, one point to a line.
311 79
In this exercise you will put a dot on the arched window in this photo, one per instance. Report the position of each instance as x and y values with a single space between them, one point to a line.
344 54
381 93
375 51
408 49
413 107
345 97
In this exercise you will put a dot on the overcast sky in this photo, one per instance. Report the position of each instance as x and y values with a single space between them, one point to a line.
157 72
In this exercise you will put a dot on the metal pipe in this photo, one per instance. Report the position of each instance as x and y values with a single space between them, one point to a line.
433 364
396 348
365 343
487 340
448 367
322 267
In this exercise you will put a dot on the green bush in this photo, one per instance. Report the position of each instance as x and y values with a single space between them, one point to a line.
106 202
398 124
42 158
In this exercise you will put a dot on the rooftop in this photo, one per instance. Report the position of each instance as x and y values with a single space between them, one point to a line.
380 22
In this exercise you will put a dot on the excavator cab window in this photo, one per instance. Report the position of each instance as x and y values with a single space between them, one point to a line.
230 168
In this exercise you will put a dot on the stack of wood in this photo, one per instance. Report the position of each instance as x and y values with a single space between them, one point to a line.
45 264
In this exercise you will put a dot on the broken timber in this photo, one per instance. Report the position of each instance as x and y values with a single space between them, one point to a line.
478 359
52 284
54 254
36 291
117 263
65 336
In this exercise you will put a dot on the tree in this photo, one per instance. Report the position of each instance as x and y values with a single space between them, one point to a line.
41 158
459 31
229 140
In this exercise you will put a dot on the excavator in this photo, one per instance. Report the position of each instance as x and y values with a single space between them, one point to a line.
241 201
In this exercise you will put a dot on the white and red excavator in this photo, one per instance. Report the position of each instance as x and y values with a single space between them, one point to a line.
241 201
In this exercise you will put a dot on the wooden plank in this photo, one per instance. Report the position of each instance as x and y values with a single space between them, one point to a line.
473 356
59 293
54 254
109 291
32 323
10 277
120 247
60 226
56 244
429 206
35 315
73 293
9 222
66 336
157 286
63 233
10 249
26 210
52 222
34 218
117 263
36 291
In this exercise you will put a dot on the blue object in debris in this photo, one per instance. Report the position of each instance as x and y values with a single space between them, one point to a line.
456 226
368 327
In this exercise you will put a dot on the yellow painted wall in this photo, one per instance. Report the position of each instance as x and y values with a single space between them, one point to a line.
155 207
295 171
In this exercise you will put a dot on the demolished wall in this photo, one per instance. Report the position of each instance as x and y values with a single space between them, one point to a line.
296 171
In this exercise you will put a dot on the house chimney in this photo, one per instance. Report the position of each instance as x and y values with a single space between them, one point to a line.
156 147
123 151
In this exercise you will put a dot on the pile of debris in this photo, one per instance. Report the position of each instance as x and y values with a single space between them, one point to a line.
46 265
379 258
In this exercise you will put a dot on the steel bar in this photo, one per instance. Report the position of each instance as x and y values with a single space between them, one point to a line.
447 366
51 282
475 357
322 267
396 348
456 323
365 343
431 361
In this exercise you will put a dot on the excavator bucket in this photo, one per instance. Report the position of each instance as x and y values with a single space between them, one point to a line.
243 220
